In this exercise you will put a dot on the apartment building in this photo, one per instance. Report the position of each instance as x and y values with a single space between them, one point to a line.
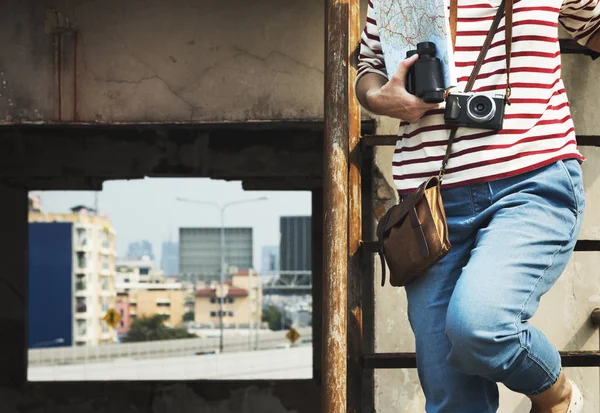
242 302
71 278
137 270
138 300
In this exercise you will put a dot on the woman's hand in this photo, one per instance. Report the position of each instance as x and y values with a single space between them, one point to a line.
391 98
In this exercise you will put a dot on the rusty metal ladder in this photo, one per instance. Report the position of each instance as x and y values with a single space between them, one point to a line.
347 357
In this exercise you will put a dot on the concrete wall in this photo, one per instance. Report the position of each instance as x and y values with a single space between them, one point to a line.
161 61
564 312
125 397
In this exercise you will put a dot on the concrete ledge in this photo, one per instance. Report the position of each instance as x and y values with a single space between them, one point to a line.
300 396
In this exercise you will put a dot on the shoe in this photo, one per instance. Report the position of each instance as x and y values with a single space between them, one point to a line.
576 405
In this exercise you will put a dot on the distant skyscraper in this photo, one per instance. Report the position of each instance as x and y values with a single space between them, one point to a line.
270 259
200 252
139 249
295 246
169 261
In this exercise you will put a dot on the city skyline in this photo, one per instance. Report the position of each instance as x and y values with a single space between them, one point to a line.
141 248
147 209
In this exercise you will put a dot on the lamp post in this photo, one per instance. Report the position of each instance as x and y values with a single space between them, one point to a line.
222 209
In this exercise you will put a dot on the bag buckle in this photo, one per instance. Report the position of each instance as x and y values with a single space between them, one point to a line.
441 174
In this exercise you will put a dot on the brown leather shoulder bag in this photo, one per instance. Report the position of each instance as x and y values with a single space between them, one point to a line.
413 235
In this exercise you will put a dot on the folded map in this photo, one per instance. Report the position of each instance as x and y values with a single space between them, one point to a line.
404 23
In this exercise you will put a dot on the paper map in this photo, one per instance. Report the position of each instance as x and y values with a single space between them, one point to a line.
404 23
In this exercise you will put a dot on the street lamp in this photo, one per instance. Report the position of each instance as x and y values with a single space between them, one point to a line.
222 209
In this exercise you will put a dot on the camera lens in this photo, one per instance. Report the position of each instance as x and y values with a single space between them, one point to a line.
481 108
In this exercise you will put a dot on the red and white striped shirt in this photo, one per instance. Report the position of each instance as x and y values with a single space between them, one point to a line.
538 128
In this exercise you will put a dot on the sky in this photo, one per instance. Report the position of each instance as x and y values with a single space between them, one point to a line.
147 209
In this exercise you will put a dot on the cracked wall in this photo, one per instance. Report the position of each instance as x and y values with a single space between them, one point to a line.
161 61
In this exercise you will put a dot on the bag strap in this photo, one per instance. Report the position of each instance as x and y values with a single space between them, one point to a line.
508 30
505 8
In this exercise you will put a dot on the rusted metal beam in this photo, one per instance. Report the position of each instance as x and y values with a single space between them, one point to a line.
588 245
317 282
335 208
390 140
582 245
379 140
409 361
368 287
354 389
570 46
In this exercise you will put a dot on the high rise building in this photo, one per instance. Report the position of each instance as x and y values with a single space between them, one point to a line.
295 248
200 252
169 261
140 249
269 259
71 279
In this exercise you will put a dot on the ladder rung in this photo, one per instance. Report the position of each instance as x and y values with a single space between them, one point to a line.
378 140
409 361
390 140
582 245
570 46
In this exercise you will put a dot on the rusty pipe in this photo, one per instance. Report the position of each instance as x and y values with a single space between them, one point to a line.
355 339
57 76
335 208
75 50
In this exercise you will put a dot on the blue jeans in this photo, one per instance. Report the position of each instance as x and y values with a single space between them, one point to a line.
511 240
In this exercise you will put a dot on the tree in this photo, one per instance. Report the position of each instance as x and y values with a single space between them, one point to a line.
274 316
152 329
189 316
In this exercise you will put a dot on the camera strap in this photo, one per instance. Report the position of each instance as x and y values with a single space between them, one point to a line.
505 8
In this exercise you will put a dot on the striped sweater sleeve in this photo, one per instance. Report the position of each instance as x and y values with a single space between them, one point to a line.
581 18
370 59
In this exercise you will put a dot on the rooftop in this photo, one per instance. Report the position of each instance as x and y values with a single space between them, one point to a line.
232 292
72 217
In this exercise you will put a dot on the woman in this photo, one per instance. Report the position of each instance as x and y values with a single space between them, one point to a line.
514 201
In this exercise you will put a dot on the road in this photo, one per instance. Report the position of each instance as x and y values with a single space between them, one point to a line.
291 363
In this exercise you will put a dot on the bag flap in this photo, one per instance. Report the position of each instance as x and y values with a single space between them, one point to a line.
396 214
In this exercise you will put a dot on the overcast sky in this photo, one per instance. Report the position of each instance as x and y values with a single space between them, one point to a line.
147 209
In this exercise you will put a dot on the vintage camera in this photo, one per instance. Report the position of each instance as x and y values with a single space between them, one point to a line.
475 110
425 78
